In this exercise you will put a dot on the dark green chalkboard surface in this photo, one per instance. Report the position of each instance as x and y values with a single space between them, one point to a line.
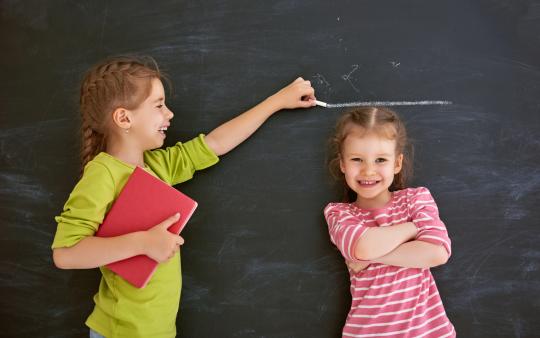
257 260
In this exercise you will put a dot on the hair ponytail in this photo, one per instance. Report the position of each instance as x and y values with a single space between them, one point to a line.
92 143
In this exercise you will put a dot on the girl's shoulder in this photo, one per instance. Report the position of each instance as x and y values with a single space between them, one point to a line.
106 170
412 192
98 166
337 205
413 196
338 208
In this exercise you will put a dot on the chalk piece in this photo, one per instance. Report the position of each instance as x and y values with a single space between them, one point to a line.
320 103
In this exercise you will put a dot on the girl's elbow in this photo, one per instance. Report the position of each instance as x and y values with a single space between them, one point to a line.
60 258
363 252
214 145
441 257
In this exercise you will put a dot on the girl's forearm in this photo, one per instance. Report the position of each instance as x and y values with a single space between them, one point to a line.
230 134
92 252
379 241
415 254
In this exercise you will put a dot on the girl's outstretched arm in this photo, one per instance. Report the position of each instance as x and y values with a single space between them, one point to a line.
230 134
415 254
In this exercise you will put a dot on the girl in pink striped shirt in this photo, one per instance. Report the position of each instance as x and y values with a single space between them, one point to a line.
388 234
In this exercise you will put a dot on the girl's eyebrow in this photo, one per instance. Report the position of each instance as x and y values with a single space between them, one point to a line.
158 99
378 155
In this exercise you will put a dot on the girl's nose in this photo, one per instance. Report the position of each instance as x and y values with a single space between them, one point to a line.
368 169
169 114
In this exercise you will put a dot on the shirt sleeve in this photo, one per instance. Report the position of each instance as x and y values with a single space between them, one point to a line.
86 206
425 215
345 229
178 163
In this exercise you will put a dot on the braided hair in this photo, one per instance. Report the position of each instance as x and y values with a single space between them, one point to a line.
123 81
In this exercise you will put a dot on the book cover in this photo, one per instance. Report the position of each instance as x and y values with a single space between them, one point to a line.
144 202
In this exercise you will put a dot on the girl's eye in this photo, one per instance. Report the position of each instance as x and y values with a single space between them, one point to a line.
356 159
159 106
380 160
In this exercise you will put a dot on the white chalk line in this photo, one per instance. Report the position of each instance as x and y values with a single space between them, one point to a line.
382 103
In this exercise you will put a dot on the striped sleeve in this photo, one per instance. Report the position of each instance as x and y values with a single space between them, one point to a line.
425 215
345 229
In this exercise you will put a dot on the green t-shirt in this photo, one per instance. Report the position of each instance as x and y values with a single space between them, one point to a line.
121 309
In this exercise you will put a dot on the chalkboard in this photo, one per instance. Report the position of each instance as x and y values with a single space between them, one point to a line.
258 261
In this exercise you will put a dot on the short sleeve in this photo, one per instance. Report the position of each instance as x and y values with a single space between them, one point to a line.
86 206
178 163
345 229
425 215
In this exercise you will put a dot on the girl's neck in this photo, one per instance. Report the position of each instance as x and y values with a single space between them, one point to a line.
125 153
376 202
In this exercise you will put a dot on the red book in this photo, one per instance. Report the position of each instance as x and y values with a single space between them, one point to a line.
144 202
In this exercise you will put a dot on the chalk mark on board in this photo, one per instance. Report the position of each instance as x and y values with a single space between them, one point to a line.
321 80
347 77
387 103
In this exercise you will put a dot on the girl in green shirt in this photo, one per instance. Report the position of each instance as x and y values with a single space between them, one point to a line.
124 123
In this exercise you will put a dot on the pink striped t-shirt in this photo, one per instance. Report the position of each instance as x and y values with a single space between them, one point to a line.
391 301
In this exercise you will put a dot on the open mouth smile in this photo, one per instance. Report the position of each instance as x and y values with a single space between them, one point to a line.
367 183
163 130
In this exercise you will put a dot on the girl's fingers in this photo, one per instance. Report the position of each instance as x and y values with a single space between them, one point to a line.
308 92
170 221
179 241
306 103
307 98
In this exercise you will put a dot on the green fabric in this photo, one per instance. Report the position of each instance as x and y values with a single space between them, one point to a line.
122 310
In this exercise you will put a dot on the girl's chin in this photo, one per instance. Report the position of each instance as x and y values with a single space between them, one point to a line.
368 196
370 191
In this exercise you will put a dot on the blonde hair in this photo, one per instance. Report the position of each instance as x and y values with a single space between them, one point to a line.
385 123
122 81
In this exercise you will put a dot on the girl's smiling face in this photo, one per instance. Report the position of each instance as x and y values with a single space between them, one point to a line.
369 163
151 119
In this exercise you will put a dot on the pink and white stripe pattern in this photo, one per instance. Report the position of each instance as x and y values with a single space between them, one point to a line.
391 301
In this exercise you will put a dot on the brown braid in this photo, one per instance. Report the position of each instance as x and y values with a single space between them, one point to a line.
384 122
123 81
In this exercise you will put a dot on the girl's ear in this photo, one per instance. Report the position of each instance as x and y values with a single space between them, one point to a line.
122 118
399 164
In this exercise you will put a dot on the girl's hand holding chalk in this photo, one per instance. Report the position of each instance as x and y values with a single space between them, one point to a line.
298 94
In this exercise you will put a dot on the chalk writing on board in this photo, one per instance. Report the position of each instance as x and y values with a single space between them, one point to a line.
382 103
